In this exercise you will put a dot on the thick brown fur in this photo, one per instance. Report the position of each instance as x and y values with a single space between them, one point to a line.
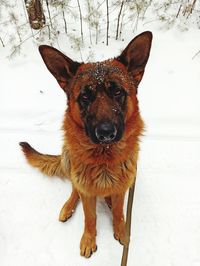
96 169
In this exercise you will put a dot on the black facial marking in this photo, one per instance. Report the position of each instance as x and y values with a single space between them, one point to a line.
86 96
116 92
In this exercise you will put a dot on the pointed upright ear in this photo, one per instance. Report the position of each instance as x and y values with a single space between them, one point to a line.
61 67
136 55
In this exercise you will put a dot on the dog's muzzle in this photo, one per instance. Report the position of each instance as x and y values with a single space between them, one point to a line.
106 132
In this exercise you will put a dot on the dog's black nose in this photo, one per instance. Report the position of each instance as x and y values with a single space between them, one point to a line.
106 132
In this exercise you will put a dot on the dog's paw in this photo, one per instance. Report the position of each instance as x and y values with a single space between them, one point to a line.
120 233
87 245
65 215
66 212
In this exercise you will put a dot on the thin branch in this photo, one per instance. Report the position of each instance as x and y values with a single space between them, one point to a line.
81 19
1 40
196 55
65 22
192 8
97 29
26 39
128 224
89 20
122 23
118 19
49 13
179 10
107 30
49 30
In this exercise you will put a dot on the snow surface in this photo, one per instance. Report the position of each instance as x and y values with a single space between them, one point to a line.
166 211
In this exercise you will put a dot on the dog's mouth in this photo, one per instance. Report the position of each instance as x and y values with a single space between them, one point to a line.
105 132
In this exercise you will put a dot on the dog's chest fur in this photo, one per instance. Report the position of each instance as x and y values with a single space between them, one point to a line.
102 179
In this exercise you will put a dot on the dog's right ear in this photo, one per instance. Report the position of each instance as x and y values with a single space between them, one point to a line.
61 67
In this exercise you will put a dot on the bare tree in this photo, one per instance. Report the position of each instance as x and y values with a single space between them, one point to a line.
64 19
118 18
32 25
107 28
122 23
89 19
81 19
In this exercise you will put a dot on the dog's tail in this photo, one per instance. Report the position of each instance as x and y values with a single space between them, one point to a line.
48 164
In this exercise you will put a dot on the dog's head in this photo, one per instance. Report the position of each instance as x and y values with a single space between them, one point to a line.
102 96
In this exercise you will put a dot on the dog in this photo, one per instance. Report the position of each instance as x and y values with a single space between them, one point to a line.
102 127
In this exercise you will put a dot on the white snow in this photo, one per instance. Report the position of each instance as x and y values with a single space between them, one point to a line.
166 212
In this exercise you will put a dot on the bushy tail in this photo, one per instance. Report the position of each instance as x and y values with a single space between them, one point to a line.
48 164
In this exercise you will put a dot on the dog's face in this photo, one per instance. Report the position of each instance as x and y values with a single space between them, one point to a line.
102 96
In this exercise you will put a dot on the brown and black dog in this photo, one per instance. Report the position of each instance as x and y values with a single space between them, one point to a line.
102 126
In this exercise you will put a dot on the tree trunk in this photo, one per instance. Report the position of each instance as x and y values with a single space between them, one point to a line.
35 14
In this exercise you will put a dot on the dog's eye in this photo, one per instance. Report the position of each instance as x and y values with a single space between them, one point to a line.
86 96
117 92
84 99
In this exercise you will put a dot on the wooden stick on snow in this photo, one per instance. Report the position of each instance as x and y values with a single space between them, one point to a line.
128 224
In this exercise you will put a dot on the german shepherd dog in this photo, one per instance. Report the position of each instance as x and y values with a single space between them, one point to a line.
102 126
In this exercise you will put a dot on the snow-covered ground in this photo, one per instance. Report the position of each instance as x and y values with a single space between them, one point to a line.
166 212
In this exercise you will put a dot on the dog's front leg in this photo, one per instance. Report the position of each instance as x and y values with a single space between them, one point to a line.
69 206
88 240
119 224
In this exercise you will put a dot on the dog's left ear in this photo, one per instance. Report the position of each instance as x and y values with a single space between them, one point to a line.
136 55
61 67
